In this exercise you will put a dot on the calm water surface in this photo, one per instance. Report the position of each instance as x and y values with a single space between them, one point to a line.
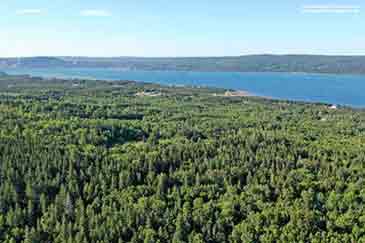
328 88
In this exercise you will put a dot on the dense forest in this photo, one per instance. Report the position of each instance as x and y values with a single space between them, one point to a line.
252 63
96 161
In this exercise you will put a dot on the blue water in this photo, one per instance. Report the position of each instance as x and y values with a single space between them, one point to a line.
327 88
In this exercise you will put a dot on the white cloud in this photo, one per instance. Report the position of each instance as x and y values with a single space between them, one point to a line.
28 12
95 13
340 9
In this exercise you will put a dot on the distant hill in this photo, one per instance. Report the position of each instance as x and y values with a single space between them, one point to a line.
33 62
253 63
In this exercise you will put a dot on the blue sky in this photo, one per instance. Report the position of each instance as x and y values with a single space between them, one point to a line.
181 28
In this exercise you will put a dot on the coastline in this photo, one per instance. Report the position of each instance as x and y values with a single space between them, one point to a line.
313 88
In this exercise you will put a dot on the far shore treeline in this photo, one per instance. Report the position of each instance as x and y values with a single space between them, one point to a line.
251 63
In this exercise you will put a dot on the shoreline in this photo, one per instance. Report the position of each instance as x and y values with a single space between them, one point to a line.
5 69
235 92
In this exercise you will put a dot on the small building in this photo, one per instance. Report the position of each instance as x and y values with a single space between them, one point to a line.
333 107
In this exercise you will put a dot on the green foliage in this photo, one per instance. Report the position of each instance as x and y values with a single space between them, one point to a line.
98 164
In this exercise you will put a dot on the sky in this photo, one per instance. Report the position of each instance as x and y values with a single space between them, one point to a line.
160 28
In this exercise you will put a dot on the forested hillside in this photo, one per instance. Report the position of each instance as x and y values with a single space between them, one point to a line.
252 63
89 161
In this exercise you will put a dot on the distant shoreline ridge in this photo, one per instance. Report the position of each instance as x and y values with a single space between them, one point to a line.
249 63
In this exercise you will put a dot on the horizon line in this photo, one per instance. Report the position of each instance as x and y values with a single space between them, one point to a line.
213 56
